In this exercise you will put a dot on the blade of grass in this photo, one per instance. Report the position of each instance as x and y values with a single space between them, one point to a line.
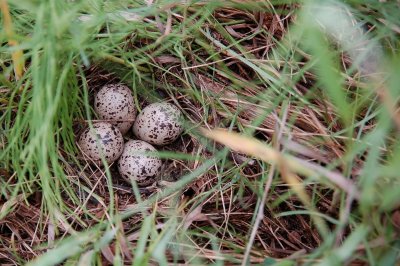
257 149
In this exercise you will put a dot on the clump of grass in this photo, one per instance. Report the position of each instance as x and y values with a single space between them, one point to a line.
304 169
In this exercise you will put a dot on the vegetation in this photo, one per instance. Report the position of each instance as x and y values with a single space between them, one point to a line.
290 153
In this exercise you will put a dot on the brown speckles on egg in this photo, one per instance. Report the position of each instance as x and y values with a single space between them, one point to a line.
103 138
135 164
115 102
159 124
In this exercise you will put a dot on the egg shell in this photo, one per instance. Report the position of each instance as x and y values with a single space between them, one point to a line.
114 102
134 164
103 138
159 123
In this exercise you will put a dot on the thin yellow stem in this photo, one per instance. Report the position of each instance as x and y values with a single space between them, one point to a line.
17 56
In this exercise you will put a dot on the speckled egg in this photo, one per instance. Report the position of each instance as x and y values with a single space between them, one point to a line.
102 138
159 123
135 164
114 102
